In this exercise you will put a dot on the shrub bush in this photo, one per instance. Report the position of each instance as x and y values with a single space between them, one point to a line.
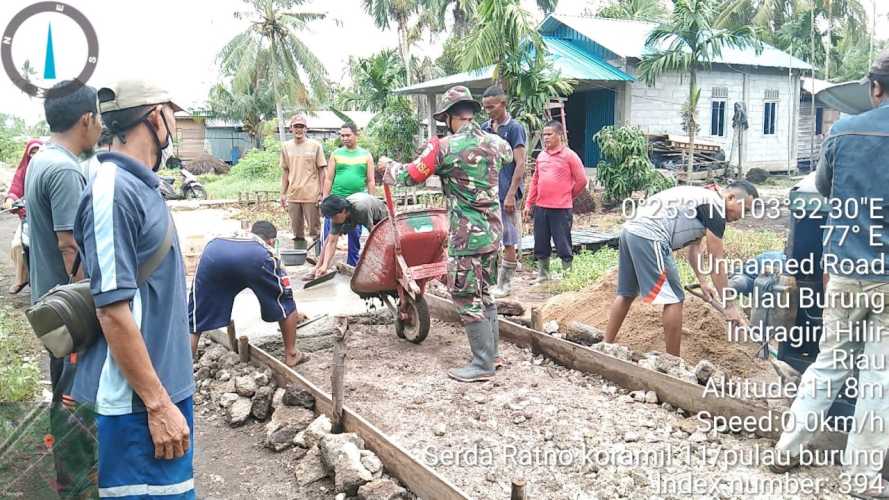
625 166
260 163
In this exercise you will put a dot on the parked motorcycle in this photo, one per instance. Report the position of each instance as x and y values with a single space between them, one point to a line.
190 189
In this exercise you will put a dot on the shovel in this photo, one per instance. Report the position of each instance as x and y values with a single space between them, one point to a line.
321 279
696 291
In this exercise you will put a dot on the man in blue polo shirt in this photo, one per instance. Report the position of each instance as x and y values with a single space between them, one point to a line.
138 375
512 176
228 265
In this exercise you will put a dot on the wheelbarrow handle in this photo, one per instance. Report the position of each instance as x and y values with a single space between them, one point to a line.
390 205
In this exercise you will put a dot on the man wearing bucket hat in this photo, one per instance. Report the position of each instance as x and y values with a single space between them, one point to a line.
468 162
138 374
851 175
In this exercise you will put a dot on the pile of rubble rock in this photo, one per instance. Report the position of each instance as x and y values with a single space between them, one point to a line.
244 393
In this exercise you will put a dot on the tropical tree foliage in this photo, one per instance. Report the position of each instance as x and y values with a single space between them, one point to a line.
392 131
399 13
638 10
270 53
625 167
840 31
505 36
374 79
687 42
250 107
14 133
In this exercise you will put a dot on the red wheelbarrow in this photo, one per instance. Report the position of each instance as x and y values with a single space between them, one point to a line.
402 254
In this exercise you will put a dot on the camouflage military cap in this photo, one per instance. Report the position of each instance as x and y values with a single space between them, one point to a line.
453 96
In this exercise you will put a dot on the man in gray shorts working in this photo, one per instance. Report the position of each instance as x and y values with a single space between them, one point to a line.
670 220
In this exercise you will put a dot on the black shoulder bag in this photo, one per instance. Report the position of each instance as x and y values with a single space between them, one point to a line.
64 319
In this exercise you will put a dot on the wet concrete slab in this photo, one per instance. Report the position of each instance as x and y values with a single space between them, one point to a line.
333 298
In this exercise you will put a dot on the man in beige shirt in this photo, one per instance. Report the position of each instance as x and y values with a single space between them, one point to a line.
302 162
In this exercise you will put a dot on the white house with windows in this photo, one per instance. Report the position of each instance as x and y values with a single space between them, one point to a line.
603 56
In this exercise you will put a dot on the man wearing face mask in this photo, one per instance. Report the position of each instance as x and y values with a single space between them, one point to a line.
468 162
138 375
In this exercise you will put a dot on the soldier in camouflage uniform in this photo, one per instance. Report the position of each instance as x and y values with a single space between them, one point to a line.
468 162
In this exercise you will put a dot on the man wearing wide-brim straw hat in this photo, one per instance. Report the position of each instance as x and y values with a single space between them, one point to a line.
468 162
138 374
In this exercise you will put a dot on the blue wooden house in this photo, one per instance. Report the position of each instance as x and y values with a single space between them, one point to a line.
602 57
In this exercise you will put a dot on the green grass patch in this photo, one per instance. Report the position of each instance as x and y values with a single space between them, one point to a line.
588 268
779 180
748 244
227 187
258 170
19 355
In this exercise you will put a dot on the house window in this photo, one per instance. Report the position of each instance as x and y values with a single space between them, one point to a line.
770 118
819 121
717 118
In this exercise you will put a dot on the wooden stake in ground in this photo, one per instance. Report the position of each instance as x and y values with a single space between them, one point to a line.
244 349
232 339
338 375
518 490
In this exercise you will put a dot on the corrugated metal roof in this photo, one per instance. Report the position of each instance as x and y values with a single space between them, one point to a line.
570 60
578 64
475 79
627 38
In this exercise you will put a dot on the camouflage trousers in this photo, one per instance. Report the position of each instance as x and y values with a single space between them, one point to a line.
469 279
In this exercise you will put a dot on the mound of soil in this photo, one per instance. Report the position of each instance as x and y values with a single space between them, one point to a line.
207 164
704 333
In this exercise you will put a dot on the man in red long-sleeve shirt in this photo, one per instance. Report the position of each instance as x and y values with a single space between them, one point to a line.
558 179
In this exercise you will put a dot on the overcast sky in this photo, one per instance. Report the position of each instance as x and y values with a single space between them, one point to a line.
175 42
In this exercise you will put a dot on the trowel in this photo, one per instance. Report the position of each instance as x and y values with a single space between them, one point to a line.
321 279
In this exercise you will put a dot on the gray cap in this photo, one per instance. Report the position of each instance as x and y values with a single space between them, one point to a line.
127 94
879 69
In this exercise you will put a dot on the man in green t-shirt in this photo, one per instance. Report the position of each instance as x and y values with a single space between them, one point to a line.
350 170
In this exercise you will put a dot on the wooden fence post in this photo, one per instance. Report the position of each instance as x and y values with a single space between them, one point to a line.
518 490
244 349
338 376
232 338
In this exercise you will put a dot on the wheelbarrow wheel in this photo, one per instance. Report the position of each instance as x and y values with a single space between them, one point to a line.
416 327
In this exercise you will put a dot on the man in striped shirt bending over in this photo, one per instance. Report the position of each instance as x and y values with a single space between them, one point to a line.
676 218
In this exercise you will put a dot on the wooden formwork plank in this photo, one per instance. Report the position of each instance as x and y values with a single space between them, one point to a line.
677 392
418 477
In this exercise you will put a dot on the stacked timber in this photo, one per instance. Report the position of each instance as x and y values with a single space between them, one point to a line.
671 152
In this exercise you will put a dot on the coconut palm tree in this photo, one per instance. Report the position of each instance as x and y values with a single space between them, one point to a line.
639 10
786 24
375 80
270 51
399 12
505 35
687 42
502 29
